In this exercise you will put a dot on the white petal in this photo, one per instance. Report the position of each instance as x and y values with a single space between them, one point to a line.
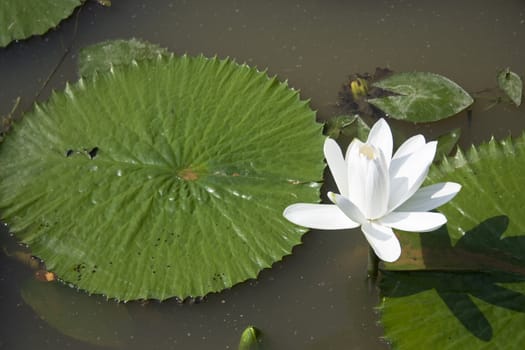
368 179
383 241
377 188
414 221
318 216
347 207
410 146
380 137
356 174
336 163
431 197
408 173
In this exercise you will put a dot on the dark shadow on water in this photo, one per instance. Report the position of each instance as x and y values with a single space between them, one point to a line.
497 256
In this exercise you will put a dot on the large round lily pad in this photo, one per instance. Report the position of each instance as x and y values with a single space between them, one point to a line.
163 178
19 19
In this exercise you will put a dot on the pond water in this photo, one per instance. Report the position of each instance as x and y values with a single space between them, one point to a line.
318 297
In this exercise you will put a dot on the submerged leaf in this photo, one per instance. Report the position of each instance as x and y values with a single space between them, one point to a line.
78 315
164 178
22 19
421 97
511 84
102 56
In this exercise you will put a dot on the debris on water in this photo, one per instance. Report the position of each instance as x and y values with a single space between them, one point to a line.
358 89
45 276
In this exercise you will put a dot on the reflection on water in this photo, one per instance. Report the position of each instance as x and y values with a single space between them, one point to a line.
318 298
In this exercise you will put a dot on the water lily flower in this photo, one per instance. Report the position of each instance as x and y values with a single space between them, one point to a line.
378 191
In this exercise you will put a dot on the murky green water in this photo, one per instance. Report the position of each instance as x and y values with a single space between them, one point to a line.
317 298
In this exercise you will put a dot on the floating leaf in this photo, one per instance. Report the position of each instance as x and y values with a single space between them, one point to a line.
249 339
485 234
493 174
446 143
77 315
102 56
444 310
421 97
164 178
20 19
481 249
511 84
346 126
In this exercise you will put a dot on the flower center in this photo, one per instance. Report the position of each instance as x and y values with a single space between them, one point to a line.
368 151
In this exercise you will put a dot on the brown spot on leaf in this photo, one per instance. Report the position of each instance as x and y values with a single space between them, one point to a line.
188 174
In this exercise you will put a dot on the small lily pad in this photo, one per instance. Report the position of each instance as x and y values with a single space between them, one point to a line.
346 126
421 97
446 143
20 19
511 84
162 178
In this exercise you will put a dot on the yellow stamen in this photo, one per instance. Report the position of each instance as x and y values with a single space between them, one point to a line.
368 151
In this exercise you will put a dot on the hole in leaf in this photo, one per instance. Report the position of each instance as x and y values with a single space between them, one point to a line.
93 152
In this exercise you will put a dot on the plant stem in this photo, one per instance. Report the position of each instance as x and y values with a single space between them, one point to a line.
373 263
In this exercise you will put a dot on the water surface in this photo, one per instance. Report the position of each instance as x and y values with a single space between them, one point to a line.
319 297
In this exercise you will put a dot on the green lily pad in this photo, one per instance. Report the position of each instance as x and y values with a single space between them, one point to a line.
445 310
479 303
346 126
446 143
20 19
421 97
163 178
511 84
102 56
482 248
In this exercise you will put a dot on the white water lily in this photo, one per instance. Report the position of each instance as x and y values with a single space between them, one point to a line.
378 191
